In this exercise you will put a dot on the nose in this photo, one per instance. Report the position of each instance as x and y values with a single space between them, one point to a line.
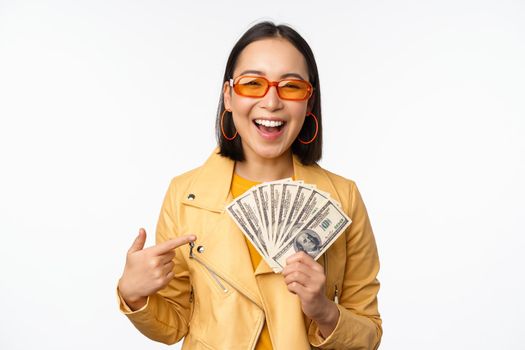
271 100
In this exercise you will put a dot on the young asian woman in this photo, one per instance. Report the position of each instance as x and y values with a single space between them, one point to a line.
217 293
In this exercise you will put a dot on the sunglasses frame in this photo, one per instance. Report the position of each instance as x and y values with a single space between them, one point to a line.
233 83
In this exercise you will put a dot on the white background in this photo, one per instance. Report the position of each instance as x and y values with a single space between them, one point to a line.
103 102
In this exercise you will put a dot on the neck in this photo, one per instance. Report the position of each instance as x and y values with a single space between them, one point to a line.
259 169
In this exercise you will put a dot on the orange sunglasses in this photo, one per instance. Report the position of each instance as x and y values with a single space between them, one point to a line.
287 89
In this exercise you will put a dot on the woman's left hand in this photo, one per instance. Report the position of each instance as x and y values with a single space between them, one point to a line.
305 278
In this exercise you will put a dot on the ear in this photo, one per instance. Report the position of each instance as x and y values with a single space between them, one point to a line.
226 95
310 105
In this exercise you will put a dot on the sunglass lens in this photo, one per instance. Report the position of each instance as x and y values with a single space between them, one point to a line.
294 89
251 86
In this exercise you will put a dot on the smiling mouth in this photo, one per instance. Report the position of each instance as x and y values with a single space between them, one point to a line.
269 126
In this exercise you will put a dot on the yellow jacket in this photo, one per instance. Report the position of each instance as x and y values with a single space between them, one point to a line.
216 301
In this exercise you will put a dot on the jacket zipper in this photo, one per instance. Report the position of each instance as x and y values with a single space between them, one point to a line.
212 273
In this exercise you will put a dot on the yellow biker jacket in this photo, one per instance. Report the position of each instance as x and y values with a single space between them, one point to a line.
216 301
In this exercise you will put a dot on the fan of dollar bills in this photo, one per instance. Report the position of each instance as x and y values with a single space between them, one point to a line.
283 217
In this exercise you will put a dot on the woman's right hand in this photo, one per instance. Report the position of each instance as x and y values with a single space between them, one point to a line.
148 270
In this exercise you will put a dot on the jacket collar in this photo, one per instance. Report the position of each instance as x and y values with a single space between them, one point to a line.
211 188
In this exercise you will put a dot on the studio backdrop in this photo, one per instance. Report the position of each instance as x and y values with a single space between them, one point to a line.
103 102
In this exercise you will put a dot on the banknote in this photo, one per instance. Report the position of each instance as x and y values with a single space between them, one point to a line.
297 201
316 235
283 217
287 195
238 216
261 200
314 202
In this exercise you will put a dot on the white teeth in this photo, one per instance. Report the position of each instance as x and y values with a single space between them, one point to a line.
269 123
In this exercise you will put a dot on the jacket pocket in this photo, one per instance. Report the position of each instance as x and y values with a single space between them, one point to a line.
215 280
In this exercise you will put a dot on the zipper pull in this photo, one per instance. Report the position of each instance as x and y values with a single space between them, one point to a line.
336 295
192 244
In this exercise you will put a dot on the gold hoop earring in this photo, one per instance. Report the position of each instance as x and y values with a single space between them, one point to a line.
222 127
316 130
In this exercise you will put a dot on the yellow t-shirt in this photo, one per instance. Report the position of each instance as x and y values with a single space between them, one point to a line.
238 187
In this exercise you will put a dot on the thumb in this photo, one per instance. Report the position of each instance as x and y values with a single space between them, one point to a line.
138 244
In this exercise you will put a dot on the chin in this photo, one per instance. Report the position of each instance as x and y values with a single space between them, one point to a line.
270 152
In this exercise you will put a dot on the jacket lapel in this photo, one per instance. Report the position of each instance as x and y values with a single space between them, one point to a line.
210 189
224 248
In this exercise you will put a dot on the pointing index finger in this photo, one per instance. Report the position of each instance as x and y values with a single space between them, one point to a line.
171 244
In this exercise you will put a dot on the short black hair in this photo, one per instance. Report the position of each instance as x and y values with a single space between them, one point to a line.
309 153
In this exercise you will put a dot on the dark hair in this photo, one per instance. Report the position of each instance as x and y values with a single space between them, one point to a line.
308 154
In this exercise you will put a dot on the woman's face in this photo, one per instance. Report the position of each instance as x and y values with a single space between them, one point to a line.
274 59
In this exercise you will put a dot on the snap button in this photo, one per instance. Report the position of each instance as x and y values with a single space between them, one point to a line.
191 196
200 249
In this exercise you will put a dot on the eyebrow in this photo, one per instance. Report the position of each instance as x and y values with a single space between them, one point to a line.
285 75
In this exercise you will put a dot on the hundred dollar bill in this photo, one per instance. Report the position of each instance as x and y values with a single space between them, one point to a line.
248 212
316 236
267 210
271 194
301 196
238 217
275 200
248 205
261 199
315 201
327 194
288 193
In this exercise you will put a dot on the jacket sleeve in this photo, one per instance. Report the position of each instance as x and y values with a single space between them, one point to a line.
166 314
359 324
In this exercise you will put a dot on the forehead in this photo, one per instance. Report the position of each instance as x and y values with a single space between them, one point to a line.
274 57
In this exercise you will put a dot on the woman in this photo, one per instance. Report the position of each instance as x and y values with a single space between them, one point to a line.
217 292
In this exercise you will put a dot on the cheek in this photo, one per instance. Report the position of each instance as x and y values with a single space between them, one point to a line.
241 122
298 112
298 117
241 109
241 112
242 105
